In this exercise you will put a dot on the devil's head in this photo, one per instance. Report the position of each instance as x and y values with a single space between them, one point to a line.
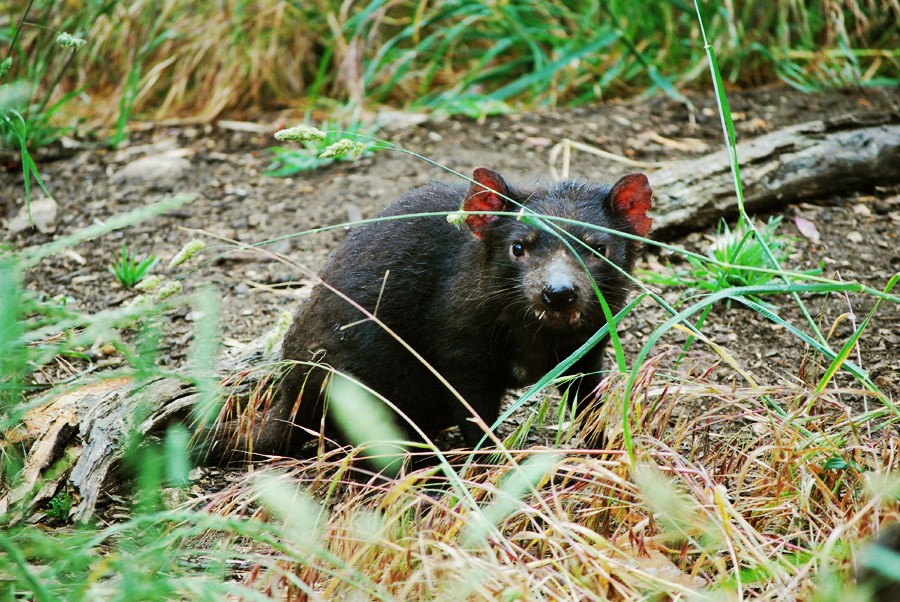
542 264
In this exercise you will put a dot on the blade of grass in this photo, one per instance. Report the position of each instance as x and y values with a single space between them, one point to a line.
523 83
841 357
730 145
737 294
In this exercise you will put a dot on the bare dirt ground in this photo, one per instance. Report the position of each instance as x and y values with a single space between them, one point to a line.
236 200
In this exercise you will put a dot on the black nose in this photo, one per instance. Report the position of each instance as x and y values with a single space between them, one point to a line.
559 298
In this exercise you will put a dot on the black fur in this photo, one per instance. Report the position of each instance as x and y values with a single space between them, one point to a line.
459 300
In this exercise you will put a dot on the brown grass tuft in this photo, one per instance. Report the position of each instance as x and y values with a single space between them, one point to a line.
732 489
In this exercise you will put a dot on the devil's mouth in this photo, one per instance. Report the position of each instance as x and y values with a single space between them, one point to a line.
557 318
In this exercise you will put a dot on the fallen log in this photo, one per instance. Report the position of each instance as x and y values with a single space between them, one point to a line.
78 437
803 162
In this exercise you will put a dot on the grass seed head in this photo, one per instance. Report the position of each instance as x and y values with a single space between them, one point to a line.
172 287
147 284
187 251
281 325
343 148
300 133
67 40
458 218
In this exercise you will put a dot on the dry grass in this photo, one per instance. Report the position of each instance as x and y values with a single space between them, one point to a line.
211 58
196 60
724 499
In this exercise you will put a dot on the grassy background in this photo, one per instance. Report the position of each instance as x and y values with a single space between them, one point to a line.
165 58
771 505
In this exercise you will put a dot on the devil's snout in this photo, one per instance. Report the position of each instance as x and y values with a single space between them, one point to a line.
559 296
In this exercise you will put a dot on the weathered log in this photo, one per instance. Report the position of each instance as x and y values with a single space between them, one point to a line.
80 435
807 161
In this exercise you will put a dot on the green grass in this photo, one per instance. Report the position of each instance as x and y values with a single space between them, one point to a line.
124 561
128 270
738 259
60 506
31 83
465 56
28 100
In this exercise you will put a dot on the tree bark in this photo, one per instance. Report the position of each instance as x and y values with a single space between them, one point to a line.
79 436
807 161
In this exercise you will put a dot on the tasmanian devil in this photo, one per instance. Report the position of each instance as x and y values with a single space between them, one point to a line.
491 305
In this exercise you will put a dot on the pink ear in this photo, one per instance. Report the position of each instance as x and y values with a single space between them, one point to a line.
483 196
631 198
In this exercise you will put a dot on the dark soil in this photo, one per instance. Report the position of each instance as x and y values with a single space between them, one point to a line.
237 201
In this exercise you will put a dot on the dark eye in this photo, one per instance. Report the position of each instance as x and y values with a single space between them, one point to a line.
602 250
517 248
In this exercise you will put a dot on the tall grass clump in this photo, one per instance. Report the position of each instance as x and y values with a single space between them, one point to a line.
32 89
163 59
26 111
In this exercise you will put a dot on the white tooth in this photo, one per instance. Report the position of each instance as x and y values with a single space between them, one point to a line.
541 317
573 318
